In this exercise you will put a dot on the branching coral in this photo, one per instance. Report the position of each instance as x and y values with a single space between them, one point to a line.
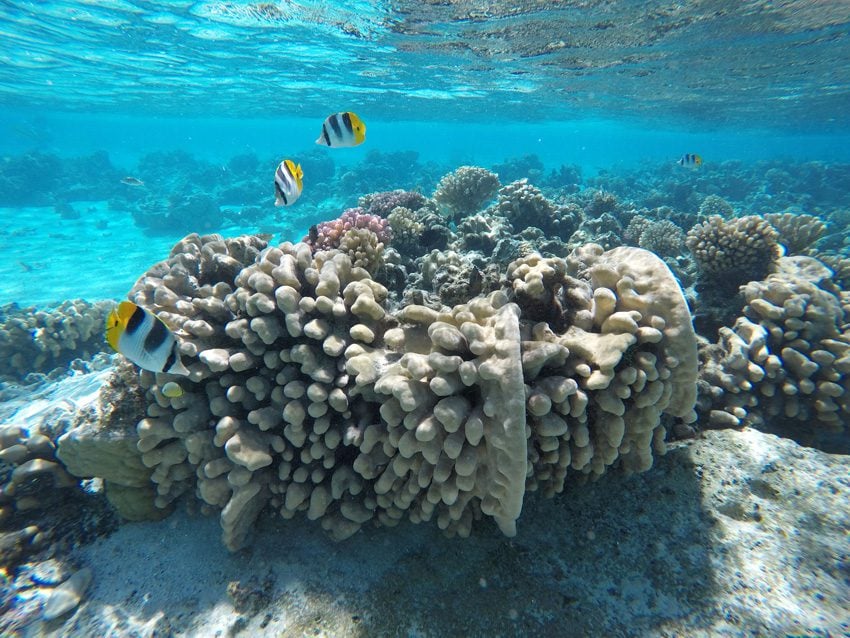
714 205
663 238
329 234
731 252
383 203
465 190
407 231
34 340
786 359
798 233
524 205
635 229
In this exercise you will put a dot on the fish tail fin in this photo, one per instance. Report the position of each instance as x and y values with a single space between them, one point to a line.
177 367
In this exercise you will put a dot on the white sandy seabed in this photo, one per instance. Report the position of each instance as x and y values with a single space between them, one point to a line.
737 533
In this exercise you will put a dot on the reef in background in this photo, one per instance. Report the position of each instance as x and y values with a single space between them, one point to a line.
437 357
425 358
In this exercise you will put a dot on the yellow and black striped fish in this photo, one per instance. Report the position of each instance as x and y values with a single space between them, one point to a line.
144 339
342 129
689 159
288 183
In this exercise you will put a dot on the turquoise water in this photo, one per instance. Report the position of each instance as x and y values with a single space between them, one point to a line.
597 85
604 87
126 125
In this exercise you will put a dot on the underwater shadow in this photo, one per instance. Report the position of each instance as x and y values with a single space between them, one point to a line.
623 556
641 555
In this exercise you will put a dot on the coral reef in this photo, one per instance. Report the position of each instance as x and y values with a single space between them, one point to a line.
306 394
527 167
713 205
385 171
41 340
407 230
524 205
731 186
43 511
733 251
601 202
330 234
635 228
664 238
482 232
42 179
383 203
180 213
446 278
798 233
465 190
783 364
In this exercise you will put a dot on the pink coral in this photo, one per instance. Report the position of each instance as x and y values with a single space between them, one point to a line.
329 234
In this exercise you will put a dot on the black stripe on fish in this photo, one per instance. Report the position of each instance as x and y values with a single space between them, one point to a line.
171 360
156 337
281 193
325 134
335 126
135 321
346 119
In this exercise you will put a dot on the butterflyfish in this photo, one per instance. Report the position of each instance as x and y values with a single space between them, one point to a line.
689 159
287 183
144 339
342 129
132 181
172 390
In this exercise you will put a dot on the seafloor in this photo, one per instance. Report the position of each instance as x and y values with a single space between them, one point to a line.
740 529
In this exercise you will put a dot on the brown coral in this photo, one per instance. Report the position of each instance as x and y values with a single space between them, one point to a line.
307 395
733 251
465 190
798 233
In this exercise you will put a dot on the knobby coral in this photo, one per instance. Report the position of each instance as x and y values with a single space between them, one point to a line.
786 358
34 340
307 394
798 233
731 252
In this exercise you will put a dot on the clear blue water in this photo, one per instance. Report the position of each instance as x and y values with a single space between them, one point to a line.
600 85
200 100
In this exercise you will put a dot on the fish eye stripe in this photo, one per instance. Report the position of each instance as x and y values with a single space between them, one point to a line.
135 321
156 337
